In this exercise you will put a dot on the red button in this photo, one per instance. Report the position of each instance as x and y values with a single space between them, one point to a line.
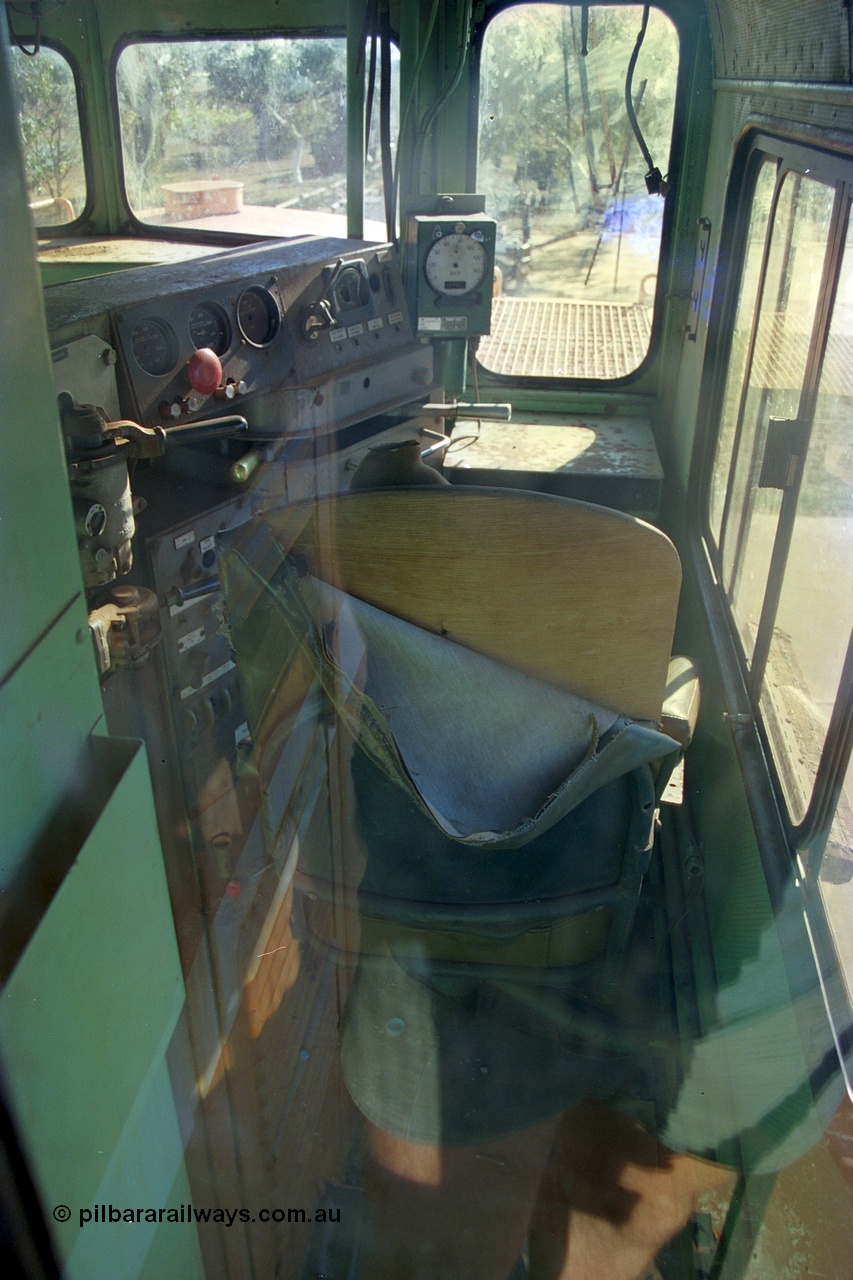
204 369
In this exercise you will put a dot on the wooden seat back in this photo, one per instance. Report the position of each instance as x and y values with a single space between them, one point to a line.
577 595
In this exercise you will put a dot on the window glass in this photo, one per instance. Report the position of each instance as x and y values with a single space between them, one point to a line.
787 307
781 485
50 133
753 257
815 612
578 232
242 135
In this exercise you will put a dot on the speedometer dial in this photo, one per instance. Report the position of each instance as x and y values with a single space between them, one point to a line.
455 265
209 327
258 317
154 345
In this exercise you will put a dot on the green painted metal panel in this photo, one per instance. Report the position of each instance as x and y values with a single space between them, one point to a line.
46 716
155 1237
86 1018
39 568
49 697
174 1251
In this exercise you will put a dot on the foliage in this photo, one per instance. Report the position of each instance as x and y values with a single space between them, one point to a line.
222 106
47 111
295 91
554 120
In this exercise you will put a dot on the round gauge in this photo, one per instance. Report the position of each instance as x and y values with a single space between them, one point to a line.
455 264
155 346
209 328
258 317
350 291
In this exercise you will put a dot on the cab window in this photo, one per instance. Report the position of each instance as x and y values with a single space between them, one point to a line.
241 135
574 190
50 133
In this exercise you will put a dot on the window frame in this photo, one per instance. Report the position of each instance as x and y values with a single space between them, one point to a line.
834 168
669 223
787 850
58 230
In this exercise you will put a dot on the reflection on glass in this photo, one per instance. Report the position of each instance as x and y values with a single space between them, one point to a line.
815 614
498 966
242 135
578 232
836 882
788 302
50 132
750 281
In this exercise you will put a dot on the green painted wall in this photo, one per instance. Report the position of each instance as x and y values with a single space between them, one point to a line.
85 1021
93 985
49 697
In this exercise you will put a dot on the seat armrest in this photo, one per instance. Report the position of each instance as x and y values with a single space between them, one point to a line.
681 701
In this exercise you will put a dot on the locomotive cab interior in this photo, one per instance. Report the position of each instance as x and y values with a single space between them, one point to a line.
391 389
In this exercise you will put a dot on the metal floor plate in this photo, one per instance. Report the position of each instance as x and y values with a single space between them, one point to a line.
539 338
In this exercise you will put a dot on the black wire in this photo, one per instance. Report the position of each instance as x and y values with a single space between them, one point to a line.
368 32
371 86
654 182
385 130
432 112
31 53
406 107
36 8
629 105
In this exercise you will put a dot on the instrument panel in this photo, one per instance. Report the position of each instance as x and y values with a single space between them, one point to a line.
261 331
240 323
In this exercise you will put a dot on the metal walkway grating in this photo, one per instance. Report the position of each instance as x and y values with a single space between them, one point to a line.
548 339
781 353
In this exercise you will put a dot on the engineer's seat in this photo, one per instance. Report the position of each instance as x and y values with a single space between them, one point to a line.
501 660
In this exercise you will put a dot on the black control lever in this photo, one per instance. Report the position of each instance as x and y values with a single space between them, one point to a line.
182 595
151 442
208 429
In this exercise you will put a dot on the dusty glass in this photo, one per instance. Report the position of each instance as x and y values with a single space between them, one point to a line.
243 135
815 614
579 234
744 319
50 135
787 306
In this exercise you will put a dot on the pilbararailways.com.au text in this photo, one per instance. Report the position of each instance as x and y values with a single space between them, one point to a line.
106 1214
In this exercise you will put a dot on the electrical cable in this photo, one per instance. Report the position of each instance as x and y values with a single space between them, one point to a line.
30 53
385 127
463 35
371 87
404 114
656 184
36 8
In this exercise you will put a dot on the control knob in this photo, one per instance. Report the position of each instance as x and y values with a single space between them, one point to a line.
204 370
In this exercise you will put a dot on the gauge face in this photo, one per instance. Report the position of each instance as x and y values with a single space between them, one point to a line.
209 327
350 291
258 317
155 346
455 265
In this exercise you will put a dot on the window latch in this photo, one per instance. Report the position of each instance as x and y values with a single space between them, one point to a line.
783 449
697 285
